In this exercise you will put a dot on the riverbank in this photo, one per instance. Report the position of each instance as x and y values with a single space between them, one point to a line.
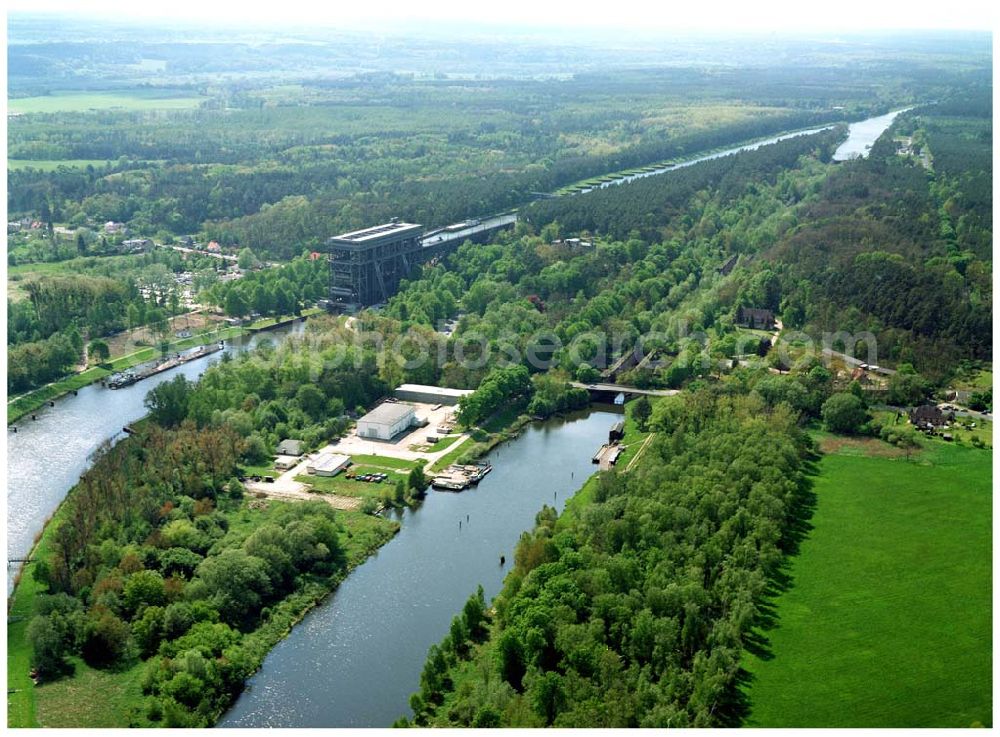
34 400
268 323
59 703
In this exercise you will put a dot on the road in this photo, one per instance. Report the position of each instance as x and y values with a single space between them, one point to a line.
626 389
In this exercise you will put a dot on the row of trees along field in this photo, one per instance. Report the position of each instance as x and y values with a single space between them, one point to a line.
633 609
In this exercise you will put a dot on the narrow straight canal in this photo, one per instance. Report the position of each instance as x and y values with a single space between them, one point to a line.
46 457
355 660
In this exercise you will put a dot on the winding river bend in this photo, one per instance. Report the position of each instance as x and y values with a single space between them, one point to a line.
355 660
46 457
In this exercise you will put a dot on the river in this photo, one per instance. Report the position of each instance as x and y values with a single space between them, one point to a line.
861 136
355 659
45 457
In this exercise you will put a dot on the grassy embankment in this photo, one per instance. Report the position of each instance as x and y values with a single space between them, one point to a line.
26 403
113 698
269 322
502 426
887 622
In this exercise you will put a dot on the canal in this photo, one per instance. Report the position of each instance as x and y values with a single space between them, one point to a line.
861 136
355 659
46 457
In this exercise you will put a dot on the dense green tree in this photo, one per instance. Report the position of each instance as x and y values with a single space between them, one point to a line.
168 402
99 351
844 413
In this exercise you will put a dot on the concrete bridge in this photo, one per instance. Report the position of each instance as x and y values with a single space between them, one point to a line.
606 392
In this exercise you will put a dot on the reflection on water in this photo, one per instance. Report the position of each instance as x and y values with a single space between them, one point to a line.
355 660
45 457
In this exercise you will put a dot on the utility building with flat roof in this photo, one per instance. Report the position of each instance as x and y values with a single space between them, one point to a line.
430 394
367 265
386 421
328 464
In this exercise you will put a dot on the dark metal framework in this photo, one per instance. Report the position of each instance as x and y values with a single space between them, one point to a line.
367 265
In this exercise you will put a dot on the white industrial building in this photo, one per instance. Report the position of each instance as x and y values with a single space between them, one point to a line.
430 394
328 464
386 421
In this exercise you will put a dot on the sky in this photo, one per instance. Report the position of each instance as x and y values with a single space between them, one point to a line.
659 15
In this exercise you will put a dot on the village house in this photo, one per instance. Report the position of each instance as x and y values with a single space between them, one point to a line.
135 245
755 318
929 417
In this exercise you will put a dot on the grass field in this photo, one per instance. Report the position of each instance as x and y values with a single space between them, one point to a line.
344 486
887 622
53 164
74 102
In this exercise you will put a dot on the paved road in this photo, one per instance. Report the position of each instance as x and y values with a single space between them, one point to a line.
626 389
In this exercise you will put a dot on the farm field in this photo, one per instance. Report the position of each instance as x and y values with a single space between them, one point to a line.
72 102
53 164
887 622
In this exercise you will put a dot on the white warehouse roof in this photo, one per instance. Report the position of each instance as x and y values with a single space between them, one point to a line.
388 413
328 462
441 391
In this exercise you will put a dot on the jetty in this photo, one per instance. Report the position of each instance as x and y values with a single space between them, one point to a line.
458 477
607 456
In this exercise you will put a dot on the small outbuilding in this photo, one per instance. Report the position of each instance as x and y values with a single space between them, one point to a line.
283 463
386 421
290 447
328 464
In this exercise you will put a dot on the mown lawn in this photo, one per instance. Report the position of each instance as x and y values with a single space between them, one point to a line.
887 622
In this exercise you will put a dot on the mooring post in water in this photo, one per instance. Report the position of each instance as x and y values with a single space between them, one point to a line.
502 561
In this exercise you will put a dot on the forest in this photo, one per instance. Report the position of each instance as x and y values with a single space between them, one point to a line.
156 559
633 609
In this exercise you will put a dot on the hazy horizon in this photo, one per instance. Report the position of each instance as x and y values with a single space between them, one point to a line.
720 17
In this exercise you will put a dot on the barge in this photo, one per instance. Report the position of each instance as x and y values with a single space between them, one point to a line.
128 378
459 477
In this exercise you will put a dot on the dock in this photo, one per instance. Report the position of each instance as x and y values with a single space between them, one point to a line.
608 455
128 378
458 477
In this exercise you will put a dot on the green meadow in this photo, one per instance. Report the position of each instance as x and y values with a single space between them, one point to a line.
75 102
886 621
